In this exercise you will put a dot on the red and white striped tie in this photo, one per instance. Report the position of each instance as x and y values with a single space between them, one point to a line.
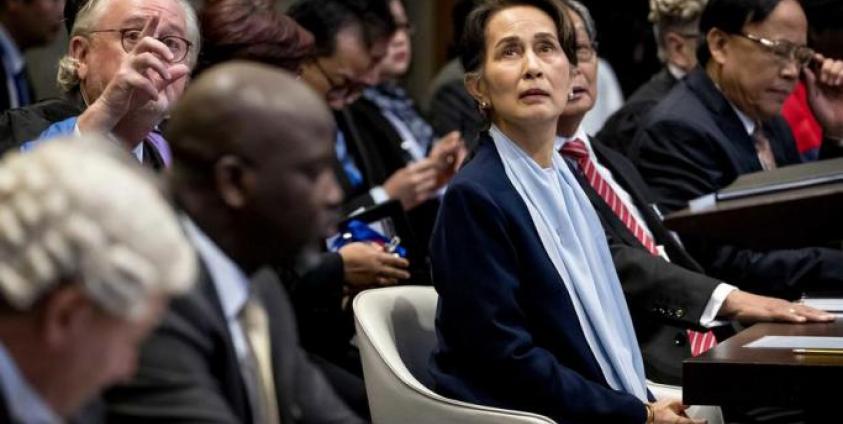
576 150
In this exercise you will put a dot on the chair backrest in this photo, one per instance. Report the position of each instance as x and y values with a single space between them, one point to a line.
395 334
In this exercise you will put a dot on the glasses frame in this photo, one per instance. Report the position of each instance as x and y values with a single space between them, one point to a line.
783 50
591 48
123 41
342 89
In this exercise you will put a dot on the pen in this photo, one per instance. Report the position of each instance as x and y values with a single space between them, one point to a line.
392 245
818 351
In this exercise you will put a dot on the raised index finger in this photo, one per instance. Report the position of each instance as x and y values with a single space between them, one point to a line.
150 28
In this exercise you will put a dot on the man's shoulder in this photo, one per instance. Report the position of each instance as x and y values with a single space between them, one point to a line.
23 124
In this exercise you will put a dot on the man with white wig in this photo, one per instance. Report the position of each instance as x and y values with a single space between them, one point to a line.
83 276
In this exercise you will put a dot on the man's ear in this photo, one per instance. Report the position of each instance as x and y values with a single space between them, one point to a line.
234 181
679 51
78 49
475 86
718 47
66 312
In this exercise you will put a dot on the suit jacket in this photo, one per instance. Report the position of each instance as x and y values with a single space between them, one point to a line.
24 124
678 290
189 370
5 96
384 145
620 128
508 333
693 144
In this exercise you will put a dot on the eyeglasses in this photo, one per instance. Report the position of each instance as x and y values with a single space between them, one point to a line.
130 37
586 52
405 26
342 89
802 55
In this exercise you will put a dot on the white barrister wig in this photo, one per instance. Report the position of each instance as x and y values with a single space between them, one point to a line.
76 210
675 10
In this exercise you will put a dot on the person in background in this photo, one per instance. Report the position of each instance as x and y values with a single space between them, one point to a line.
676 29
531 315
24 24
127 62
826 37
252 173
396 134
723 121
449 105
675 321
251 30
256 31
83 276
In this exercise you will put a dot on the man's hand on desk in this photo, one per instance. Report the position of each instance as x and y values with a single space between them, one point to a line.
750 308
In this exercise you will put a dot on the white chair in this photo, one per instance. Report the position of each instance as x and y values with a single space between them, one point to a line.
395 334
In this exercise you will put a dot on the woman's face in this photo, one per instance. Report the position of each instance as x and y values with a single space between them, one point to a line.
526 76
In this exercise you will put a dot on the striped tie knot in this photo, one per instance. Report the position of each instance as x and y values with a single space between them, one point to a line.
575 149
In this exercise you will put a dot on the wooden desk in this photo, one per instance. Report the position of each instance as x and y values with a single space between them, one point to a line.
733 375
794 218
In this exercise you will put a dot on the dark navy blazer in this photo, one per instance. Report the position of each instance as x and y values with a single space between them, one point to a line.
693 144
508 333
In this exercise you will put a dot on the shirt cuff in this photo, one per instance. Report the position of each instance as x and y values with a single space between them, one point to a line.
712 308
378 195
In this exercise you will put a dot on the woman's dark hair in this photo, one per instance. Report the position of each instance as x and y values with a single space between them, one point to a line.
251 30
730 16
473 45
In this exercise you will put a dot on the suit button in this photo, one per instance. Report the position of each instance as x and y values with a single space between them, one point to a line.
680 340
679 313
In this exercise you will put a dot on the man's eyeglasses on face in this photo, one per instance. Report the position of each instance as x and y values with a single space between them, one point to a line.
586 52
405 26
787 51
130 37
342 89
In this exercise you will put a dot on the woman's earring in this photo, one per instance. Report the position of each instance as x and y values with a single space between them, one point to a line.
484 104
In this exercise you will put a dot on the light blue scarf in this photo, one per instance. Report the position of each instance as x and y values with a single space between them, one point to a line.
574 240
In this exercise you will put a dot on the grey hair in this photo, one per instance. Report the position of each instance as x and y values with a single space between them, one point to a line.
674 15
87 19
587 19
69 212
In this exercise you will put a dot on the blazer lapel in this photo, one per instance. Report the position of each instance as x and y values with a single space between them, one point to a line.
225 362
740 145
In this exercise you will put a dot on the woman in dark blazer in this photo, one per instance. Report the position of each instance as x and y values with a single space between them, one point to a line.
531 315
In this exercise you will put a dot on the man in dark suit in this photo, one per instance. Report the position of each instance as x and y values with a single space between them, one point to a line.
677 295
24 24
723 121
675 25
228 352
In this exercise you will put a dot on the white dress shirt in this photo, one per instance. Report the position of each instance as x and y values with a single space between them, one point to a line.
231 283
708 318
24 404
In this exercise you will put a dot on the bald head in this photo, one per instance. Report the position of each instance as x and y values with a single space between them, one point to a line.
252 161
243 108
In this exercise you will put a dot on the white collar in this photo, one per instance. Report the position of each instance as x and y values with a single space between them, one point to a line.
230 281
748 123
578 134
12 57
24 403
676 71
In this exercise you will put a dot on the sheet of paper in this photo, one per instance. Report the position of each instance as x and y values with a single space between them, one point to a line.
830 304
797 342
